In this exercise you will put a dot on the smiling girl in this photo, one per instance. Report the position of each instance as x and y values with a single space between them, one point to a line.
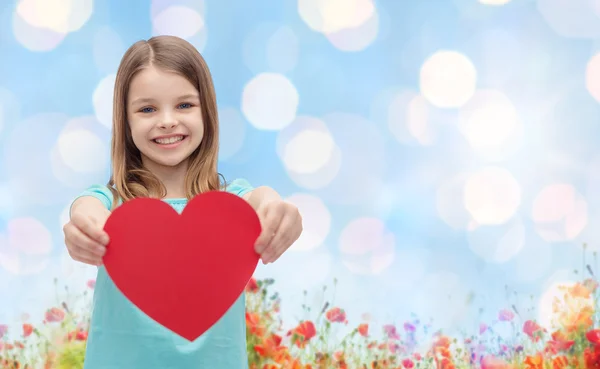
165 146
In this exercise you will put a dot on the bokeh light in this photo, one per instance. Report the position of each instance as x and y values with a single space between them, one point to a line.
61 16
26 247
308 151
298 155
592 77
450 202
33 38
367 246
576 18
82 153
28 162
448 79
362 163
408 119
42 25
492 195
103 100
488 121
328 16
429 147
358 38
184 18
554 292
497 243
282 50
272 45
179 21
270 101
560 213
350 25
316 221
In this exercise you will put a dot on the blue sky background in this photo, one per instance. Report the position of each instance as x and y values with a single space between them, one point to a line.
441 152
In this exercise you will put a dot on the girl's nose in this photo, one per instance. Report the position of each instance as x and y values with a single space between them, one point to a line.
168 121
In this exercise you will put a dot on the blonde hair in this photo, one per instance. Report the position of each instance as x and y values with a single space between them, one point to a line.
129 179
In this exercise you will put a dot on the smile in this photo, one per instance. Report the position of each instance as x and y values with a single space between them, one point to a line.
169 140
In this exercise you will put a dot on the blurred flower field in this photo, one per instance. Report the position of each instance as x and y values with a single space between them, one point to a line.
573 343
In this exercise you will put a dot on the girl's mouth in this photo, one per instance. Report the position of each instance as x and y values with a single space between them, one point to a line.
169 140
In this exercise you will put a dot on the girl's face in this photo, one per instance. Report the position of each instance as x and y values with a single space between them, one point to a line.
163 110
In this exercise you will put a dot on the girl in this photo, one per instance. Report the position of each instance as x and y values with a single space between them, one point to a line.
164 145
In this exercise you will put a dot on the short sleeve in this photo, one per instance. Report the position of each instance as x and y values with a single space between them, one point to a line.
239 187
100 192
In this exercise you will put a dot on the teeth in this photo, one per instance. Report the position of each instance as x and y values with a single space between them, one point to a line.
169 140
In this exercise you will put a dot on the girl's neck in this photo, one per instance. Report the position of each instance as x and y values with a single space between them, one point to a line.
173 178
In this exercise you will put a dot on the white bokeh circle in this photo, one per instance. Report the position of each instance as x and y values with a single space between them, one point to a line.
33 38
316 221
367 246
60 16
82 153
297 155
26 247
492 196
270 101
497 243
178 20
356 38
309 151
448 79
329 16
408 119
28 163
362 160
560 213
592 77
102 100
573 19
488 120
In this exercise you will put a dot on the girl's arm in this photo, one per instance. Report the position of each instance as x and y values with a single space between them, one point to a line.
281 223
85 237
261 196
92 207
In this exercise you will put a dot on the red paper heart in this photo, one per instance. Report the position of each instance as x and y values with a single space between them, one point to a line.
184 271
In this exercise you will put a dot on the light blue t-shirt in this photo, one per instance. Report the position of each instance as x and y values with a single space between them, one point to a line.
122 337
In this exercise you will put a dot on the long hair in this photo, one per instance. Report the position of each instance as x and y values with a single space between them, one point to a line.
129 179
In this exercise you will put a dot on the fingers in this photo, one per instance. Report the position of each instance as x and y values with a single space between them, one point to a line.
289 231
280 241
92 229
270 222
81 247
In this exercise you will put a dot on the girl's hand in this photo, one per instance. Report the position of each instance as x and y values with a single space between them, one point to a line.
85 237
282 225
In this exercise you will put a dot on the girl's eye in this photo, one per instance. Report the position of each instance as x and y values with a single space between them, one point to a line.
185 106
147 110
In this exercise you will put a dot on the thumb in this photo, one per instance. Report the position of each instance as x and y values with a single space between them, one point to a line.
96 230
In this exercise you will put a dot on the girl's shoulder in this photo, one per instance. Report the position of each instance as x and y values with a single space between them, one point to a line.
239 186
101 192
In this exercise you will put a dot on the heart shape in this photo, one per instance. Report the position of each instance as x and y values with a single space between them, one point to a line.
184 271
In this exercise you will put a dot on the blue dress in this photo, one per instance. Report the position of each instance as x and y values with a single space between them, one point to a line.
122 337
